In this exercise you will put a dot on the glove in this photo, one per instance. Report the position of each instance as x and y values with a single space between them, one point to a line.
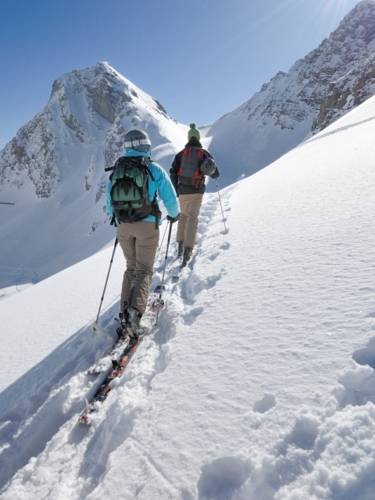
173 219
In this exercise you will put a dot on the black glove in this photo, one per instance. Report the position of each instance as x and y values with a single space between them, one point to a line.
173 219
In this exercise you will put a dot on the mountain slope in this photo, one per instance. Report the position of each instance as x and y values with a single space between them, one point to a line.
54 170
318 89
258 383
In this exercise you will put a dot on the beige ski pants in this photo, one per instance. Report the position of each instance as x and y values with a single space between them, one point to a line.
187 225
139 241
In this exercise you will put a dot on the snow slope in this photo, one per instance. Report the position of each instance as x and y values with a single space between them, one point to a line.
257 384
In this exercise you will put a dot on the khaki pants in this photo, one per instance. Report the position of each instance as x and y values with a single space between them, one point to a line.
188 222
139 241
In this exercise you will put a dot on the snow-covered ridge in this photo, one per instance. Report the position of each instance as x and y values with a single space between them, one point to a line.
318 89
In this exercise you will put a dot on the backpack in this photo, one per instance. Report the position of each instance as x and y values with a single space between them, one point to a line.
129 192
189 173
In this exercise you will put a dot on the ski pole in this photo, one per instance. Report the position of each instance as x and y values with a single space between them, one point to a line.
105 286
159 300
161 244
222 211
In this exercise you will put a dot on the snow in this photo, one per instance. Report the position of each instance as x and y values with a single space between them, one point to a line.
258 382
10 290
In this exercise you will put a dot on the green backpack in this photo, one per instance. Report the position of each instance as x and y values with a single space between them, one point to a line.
129 193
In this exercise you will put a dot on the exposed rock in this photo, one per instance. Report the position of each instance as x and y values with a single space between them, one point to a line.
330 81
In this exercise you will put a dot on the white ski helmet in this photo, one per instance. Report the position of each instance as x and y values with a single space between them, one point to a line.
138 140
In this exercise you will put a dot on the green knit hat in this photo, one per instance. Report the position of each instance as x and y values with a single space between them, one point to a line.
193 132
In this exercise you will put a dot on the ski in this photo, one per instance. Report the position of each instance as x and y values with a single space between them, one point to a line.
115 371
105 361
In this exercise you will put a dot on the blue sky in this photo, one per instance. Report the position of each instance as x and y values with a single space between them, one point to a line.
199 58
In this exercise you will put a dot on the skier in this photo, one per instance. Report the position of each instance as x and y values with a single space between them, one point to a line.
131 201
189 168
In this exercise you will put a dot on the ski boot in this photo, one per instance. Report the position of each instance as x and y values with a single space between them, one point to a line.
180 249
122 330
133 320
187 256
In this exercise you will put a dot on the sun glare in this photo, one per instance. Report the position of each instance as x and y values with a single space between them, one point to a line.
336 7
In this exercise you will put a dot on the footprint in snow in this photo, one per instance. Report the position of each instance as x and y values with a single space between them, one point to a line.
214 256
192 315
366 355
194 285
265 404
221 478
225 246
302 435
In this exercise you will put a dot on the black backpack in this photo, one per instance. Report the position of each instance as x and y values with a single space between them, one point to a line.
129 193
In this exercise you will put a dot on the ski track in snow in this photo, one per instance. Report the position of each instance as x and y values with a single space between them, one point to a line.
44 428
47 419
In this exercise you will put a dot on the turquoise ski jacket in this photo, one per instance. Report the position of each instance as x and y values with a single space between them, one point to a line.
160 185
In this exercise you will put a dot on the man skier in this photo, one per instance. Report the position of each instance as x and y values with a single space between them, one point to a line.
189 168
131 200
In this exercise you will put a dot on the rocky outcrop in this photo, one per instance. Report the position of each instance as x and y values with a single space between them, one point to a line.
31 157
321 87
350 91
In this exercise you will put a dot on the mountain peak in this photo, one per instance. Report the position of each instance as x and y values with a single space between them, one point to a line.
91 76
358 24
105 65
84 123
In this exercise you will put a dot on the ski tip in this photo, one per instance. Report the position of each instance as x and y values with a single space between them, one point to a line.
84 419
